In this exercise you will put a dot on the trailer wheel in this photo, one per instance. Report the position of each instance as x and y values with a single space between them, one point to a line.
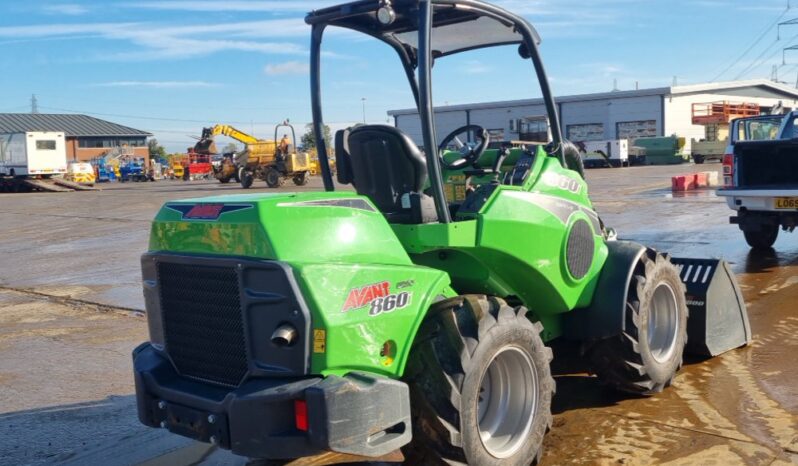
645 358
273 178
480 385
763 238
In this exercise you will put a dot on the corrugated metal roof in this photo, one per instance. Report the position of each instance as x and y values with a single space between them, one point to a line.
73 125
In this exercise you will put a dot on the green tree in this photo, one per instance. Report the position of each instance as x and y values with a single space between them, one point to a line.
308 139
157 151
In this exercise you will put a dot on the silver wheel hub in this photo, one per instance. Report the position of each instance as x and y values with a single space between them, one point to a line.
663 323
508 402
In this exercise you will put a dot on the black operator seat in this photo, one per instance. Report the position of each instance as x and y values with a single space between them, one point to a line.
383 163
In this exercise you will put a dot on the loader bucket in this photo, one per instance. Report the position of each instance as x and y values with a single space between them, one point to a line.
718 319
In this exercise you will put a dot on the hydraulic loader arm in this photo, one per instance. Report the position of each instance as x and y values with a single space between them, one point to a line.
227 130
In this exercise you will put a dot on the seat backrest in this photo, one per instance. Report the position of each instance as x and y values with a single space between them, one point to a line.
385 164
343 167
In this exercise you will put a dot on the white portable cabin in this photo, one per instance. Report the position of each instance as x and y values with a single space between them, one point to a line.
33 153
617 150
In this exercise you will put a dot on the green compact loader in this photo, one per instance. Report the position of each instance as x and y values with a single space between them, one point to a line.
412 313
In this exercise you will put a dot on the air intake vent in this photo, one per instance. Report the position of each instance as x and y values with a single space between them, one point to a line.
580 248
202 320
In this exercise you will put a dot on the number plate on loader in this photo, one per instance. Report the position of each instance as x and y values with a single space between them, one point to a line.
786 203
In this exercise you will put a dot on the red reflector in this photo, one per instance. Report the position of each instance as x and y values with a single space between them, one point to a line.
301 415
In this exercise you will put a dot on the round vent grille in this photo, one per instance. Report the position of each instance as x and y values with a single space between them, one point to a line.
580 248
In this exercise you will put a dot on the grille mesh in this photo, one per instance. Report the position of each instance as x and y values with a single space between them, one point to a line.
579 252
202 319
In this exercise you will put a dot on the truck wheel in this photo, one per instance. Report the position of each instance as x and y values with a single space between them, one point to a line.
246 179
273 178
480 385
645 357
301 179
763 238
698 159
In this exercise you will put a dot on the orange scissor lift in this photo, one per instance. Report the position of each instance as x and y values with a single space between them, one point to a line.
715 118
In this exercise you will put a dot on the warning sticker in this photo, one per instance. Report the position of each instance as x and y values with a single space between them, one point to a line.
319 340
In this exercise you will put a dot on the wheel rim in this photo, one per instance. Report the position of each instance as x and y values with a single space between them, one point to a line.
508 401
663 323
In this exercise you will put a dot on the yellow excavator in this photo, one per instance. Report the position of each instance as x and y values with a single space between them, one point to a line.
264 159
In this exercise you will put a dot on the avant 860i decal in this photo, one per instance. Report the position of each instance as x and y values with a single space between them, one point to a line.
379 298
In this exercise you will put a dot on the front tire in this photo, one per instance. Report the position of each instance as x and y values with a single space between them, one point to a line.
763 238
645 358
480 385
246 179
301 179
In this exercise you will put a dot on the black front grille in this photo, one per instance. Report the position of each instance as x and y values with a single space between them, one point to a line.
202 321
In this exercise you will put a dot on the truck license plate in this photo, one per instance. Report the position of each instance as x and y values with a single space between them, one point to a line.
787 202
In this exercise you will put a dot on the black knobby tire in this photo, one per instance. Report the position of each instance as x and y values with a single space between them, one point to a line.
301 179
246 179
763 238
644 359
459 342
273 178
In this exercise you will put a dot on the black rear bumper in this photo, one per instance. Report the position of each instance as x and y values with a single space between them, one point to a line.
359 414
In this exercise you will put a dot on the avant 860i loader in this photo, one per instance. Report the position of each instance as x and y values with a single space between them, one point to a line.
288 325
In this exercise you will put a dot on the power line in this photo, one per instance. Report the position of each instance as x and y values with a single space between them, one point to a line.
751 47
757 61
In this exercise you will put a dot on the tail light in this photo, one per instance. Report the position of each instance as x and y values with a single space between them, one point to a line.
728 170
301 415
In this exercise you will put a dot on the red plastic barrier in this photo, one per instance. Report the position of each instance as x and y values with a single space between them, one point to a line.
683 182
701 180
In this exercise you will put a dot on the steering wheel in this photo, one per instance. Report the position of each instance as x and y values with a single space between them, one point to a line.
469 155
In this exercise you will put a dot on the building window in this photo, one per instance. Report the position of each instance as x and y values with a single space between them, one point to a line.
636 129
585 132
496 135
533 129
45 145
107 143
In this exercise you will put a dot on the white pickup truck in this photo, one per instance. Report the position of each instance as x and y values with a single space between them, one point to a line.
760 176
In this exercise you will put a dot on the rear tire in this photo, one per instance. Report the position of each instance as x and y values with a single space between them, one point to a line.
645 358
698 159
762 239
273 178
224 180
479 367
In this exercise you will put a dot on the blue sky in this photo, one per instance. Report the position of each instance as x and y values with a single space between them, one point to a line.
172 67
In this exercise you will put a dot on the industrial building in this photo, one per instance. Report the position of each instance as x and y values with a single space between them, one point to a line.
86 137
662 111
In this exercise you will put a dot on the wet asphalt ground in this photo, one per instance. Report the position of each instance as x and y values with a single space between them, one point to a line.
70 305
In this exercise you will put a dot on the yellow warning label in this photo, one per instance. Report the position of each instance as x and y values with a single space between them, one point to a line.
319 340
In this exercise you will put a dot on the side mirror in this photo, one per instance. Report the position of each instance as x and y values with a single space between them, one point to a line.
523 51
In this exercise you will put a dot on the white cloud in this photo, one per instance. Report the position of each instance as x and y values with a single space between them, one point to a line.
475 67
291 67
175 42
159 84
70 9
265 6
